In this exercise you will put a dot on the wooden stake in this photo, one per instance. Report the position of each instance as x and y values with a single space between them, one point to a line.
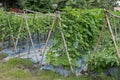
49 34
2 43
65 45
15 47
101 32
25 17
18 36
112 35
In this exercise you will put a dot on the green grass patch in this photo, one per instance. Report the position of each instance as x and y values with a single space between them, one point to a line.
19 73
3 55
18 62
15 73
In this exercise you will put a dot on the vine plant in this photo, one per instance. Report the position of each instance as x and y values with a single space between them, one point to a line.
81 28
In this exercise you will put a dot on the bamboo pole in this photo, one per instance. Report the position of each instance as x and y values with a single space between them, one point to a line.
49 34
18 36
15 47
28 46
43 53
2 43
114 14
101 33
31 11
38 38
65 45
25 17
112 35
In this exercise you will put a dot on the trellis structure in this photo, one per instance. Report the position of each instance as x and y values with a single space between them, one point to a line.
15 42
56 18
107 22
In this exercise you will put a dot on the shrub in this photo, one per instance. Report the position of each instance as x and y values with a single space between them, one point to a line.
102 60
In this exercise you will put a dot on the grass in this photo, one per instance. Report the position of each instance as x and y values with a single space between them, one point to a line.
3 55
19 62
15 73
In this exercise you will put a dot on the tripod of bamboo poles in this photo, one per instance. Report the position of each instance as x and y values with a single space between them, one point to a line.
24 18
107 22
13 39
56 19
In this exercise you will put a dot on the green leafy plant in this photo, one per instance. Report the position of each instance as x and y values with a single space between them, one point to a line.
102 60
10 25
81 28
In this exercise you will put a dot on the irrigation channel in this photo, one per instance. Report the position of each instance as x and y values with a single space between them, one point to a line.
26 50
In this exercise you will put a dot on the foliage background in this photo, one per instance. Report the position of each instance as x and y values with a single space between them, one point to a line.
46 5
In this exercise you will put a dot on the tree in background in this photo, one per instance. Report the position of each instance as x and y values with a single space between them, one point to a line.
46 5
92 3
41 5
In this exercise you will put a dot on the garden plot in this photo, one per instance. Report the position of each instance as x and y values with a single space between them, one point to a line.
30 54
25 53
